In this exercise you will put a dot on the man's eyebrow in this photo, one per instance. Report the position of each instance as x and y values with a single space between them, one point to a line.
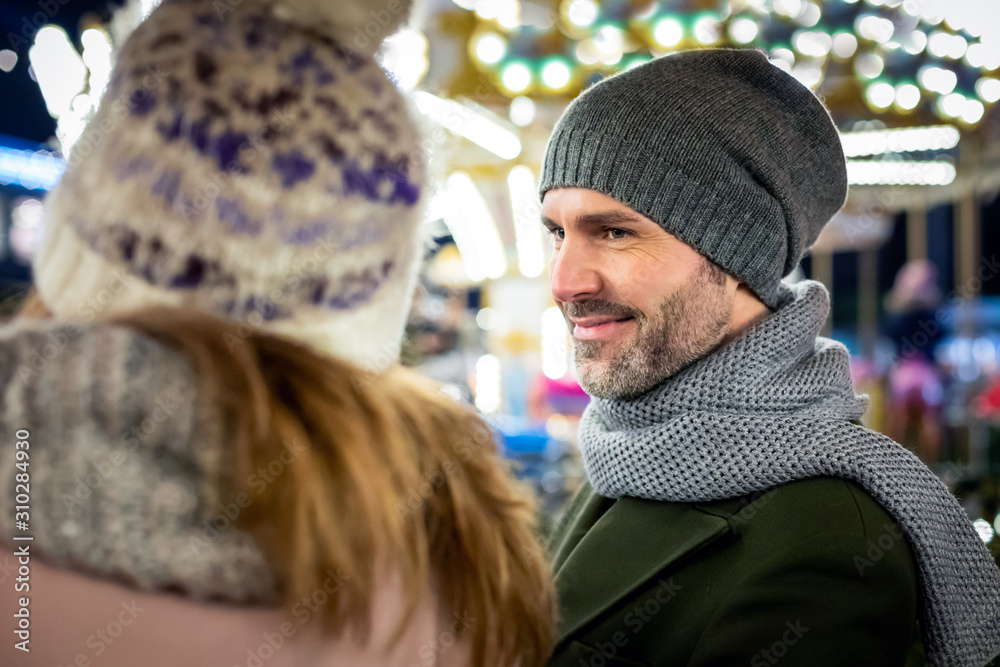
600 218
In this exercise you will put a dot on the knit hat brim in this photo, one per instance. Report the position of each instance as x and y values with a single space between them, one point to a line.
77 284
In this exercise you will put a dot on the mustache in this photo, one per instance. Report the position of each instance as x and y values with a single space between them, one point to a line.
578 309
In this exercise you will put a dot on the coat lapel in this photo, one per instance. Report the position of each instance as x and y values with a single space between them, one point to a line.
628 545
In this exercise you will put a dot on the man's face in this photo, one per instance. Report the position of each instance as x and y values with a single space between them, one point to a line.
640 303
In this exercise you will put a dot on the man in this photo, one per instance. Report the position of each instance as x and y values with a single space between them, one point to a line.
736 511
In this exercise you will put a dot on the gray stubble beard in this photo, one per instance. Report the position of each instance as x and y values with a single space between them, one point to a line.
691 323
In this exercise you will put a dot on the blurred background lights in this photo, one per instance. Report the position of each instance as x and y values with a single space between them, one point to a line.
972 111
810 14
988 89
487 319
789 8
844 45
8 59
488 383
582 12
474 229
527 221
937 79
60 70
952 105
900 173
668 32
707 30
913 139
490 48
880 94
907 96
556 74
404 55
743 30
470 121
516 77
869 65
522 110
983 529
812 43
555 336
875 28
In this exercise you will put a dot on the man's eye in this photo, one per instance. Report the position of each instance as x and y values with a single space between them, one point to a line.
557 232
618 234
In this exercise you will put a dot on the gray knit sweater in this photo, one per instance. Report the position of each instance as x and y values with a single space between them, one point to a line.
772 406
120 456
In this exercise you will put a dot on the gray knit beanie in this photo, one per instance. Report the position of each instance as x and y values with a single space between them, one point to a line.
724 150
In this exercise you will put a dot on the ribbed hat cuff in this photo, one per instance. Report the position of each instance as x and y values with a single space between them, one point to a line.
77 284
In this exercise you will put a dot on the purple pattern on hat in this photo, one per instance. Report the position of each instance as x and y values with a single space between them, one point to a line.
344 122
317 289
235 219
224 148
358 288
198 134
172 130
293 167
367 181
127 243
167 185
141 101
268 102
381 123
227 149
166 39
137 165
194 273
310 232
306 60
204 67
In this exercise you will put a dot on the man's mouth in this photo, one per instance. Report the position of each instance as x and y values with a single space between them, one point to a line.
602 327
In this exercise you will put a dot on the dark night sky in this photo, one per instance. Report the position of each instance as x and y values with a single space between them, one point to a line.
22 109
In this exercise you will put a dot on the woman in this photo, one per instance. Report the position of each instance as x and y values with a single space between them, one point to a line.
228 260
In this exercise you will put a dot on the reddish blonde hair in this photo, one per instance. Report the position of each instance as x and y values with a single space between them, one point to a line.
394 472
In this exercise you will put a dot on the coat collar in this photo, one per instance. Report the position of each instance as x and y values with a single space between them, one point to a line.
627 545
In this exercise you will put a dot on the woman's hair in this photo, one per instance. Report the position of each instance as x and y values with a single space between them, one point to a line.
388 473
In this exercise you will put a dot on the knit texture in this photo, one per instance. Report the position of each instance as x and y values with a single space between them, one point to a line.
719 147
122 459
251 167
772 406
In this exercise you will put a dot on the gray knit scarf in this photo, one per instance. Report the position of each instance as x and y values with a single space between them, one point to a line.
772 406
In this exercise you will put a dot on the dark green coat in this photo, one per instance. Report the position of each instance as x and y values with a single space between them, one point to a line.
813 572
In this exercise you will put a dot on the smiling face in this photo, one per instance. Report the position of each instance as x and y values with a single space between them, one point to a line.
640 303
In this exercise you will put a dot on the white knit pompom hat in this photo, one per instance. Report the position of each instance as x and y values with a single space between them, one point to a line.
252 160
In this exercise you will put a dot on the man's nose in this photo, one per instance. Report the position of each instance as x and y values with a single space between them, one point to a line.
574 273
